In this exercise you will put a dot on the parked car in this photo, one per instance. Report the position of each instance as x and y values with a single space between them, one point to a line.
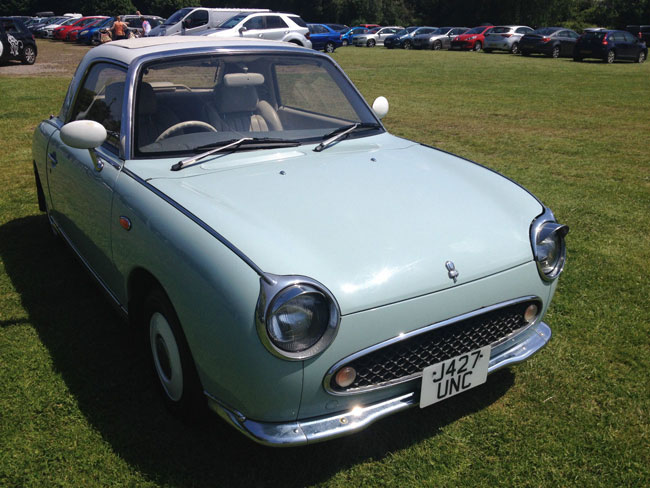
370 26
133 22
471 40
61 33
222 199
641 31
195 20
73 33
274 26
47 31
16 42
552 41
324 38
35 27
375 37
438 39
505 38
89 33
404 38
610 45
346 38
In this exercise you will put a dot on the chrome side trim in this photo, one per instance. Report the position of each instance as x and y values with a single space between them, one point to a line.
328 377
348 422
113 299
200 223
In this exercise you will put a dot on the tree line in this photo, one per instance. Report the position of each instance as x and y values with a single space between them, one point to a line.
569 13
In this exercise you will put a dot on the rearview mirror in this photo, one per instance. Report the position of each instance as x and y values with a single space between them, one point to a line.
380 107
242 30
83 134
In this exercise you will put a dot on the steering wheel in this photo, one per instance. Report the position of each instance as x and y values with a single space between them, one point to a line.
184 125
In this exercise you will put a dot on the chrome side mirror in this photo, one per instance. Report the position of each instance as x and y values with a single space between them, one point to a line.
380 107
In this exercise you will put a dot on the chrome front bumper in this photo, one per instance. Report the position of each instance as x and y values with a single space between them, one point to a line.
310 431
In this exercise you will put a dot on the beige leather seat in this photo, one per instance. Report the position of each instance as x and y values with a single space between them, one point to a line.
237 106
152 118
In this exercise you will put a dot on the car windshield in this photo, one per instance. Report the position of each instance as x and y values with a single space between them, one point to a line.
183 106
545 31
476 30
178 16
233 21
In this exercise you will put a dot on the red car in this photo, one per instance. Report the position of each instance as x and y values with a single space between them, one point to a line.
73 33
60 33
473 39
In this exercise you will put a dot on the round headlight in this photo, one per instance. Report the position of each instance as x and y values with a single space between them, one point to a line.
548 247
296 320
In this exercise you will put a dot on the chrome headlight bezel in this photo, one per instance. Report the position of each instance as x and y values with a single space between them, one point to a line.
543 228
276 291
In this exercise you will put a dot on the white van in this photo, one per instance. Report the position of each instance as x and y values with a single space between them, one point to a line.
195 20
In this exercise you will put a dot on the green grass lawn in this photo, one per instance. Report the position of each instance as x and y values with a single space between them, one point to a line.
77 407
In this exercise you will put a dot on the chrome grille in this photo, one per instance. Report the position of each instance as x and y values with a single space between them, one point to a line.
402 360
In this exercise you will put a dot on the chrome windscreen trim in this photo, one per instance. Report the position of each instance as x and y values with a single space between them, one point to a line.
310 431
330 373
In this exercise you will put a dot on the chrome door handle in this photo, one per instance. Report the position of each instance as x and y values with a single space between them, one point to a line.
260 35
52 158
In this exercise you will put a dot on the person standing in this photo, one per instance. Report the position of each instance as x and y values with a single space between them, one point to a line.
119 29
146 26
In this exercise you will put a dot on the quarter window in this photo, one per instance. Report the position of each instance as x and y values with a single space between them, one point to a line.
100 99
275 22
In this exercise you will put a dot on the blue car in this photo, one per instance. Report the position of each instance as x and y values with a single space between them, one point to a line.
404 38
86 35
346 39
324 38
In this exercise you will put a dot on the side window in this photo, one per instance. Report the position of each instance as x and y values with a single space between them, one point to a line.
100 99
628 37
198 18
10 27
276 22
255 23
523 30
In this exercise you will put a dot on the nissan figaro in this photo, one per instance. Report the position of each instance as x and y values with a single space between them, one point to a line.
292 265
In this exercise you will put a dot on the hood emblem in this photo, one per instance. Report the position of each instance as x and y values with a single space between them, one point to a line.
453 274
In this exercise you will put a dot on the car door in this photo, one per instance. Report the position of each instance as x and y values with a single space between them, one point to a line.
81 181
275 28
12 44
253 27
195 22
631 44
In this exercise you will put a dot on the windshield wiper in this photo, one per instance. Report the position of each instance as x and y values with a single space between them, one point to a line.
344 131
233 145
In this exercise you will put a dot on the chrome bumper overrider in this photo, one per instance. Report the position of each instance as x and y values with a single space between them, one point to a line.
310 431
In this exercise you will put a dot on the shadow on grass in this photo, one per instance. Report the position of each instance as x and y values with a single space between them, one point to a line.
100 361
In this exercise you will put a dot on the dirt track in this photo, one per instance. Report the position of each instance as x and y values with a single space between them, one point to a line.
55 58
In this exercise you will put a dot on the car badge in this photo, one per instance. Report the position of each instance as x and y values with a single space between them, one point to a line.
453 274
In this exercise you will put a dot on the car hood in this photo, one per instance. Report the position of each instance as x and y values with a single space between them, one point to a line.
374 219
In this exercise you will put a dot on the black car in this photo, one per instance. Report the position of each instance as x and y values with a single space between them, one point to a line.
610 45
16 42
552 41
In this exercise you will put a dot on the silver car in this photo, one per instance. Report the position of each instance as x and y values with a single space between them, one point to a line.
375 37
505 38
439 39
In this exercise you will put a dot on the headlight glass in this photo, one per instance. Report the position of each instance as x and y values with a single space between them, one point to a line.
549 250
297 318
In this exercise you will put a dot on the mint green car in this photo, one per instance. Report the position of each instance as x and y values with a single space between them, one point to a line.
296 268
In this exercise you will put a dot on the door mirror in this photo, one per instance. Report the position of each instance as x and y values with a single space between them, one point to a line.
242 30
380 107
187 24
83 134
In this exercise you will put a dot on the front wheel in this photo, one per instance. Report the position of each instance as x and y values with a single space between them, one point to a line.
437 46
29 55
170 356
329 47
478 46
371 43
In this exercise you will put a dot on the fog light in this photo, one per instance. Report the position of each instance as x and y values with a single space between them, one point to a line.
345 377
531 313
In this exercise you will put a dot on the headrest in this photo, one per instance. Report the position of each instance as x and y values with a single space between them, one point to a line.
113 97
146 100
232 99
243 79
